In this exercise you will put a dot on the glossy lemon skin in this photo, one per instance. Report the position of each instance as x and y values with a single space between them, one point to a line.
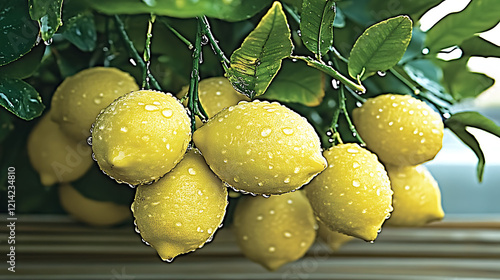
181 212
141 136
78 99
333 239
92 212
353 195
417 198
261 148
56 157
276 230
400 129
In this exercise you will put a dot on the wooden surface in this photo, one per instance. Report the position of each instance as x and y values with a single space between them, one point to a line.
55 247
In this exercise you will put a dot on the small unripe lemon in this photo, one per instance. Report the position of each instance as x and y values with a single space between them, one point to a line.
276 230
400 129
79 98
333 239
261 148
55 156
141 136
417 198
215 94
353 195
181 212
92 212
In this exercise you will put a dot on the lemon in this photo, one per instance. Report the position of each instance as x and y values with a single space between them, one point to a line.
333 239
400 129
261 148
141 136
91 212
417 198
353 195
181 212
78 99
215 94
276 230
55 156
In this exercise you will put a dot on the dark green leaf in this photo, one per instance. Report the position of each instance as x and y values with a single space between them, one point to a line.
460 121
299 83
20 98
18 33
462 83
48 14
222 9
256 62
477 46
316 25
97 186
80 30
380 47
478 16
25 66
6 125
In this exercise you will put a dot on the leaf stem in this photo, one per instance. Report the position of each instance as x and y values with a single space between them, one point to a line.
291 12
331 72
176 33
206 31
133 51
343 109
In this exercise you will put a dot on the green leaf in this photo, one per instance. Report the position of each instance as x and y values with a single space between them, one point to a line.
6 125
97 186
18 33
20 98
316 25
234 10
380 47
477 46
80 30
48 14
25 66
461 82
460 121
299 83
453 29
339 20
256 62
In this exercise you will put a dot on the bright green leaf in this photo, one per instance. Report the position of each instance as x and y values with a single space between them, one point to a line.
48 14
478 16
234 10
20 98
25 66
18 33
477 46
80 30
460 121
316 25
256 62
380 47
299 83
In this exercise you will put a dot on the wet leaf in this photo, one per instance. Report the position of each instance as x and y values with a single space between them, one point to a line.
20 98
18 33
48 15
258 60
316 25
380 47
460 121
299 83
80 30
24 66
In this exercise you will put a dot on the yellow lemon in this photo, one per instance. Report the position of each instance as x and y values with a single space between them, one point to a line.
56 157
181 212
261 148
215 94
333 239
92 212
276 230
79 98
400 129
141 136
417 198
353 195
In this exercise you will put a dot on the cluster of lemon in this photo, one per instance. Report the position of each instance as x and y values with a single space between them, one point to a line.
266 150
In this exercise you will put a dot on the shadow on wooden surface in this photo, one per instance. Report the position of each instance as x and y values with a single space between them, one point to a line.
55 247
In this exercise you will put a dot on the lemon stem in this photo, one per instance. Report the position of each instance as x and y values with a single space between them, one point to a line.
147 53
343 109
133 51
205 26
176 33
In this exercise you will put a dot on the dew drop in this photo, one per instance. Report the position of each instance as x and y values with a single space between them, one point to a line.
167 113
335 84
169 260
192 171
287 180
356 183
124 129
288 131
381 73
150 107
178 224
266 132
89 141
272 249
287 234
260 217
